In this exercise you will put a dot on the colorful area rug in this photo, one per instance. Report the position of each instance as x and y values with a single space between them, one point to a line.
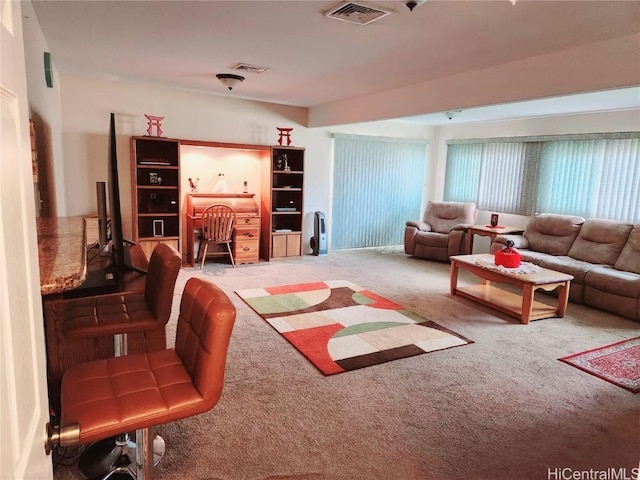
339 326
618 363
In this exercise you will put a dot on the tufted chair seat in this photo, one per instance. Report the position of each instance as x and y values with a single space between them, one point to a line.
126 312
106 397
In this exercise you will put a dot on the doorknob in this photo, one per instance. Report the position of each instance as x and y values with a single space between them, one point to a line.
66 436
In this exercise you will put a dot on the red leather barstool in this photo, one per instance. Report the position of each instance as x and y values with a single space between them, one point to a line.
117 315
106 397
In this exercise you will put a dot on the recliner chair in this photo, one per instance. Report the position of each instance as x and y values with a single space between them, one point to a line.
107 397
442 231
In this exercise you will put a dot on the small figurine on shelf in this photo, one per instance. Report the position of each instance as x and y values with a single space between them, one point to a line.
285 133
221 184
193 184
153 121
286 168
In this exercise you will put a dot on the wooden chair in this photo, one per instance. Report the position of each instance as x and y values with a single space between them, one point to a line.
103 398
218 223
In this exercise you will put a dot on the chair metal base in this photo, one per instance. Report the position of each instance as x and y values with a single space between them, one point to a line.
115 458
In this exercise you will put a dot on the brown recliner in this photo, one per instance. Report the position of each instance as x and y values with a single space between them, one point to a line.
106 397
442 231
83 329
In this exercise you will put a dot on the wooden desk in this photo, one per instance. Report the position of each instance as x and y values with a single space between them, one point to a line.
62 251
246 237
487 231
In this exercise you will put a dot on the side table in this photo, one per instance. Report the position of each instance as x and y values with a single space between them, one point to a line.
487 231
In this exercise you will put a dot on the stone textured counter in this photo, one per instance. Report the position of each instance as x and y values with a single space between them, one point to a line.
62 249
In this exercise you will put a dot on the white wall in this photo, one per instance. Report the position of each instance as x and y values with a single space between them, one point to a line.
87 102
44 102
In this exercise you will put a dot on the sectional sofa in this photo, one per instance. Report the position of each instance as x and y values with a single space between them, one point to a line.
602 255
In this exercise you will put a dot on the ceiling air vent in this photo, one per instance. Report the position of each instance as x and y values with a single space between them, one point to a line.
245 67
356 13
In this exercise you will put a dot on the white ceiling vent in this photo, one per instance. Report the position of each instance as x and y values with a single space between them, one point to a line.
358 13
245 67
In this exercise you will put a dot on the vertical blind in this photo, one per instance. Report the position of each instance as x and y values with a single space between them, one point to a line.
595 178
377 187
592 177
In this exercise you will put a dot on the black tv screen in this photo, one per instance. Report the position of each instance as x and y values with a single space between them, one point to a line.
117 240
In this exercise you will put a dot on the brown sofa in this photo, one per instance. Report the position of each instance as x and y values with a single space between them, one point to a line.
441 233
602 255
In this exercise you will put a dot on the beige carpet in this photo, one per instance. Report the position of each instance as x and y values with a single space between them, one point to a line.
503 408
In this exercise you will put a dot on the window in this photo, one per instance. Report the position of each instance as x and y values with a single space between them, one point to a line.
377 187
591 176
490 174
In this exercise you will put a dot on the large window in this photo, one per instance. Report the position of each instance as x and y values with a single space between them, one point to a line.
591 176
377 187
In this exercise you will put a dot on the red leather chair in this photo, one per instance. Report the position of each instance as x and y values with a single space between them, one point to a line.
79 324
106 397
83 329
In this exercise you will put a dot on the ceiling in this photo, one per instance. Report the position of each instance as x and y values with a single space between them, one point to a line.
314 60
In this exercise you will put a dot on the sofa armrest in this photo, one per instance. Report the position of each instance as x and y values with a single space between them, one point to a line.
519 241
422 226
462 227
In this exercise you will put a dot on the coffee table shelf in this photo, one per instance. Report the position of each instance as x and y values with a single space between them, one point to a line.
521 306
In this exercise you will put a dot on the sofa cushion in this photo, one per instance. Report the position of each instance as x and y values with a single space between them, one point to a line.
432 239
600 241
629 258
443 216
551 233
561 263
608 279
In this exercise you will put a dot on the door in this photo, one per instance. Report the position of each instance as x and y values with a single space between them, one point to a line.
23 387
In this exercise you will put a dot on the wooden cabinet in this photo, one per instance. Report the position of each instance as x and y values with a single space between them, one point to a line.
282 227
155 195
246 236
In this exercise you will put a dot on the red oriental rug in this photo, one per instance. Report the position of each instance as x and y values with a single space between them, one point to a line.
339 326
618 363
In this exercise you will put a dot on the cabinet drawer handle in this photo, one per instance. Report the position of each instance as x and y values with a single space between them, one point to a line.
248 234
246 249
247 220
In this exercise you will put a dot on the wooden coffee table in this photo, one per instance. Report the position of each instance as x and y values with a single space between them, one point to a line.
523 306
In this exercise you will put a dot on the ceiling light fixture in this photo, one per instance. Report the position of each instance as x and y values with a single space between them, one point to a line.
451 114
411 4
229 80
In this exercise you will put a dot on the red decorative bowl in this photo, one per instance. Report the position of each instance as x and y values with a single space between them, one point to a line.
508 258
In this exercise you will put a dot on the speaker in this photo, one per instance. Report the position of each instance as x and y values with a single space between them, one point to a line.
101 196
319 240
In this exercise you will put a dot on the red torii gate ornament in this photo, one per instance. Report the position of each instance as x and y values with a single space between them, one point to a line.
156 122
285 134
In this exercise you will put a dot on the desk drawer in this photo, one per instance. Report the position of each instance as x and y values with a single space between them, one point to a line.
246 233
247 221
247 251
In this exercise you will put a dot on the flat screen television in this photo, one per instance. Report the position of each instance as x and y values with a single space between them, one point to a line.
118 264
119 251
